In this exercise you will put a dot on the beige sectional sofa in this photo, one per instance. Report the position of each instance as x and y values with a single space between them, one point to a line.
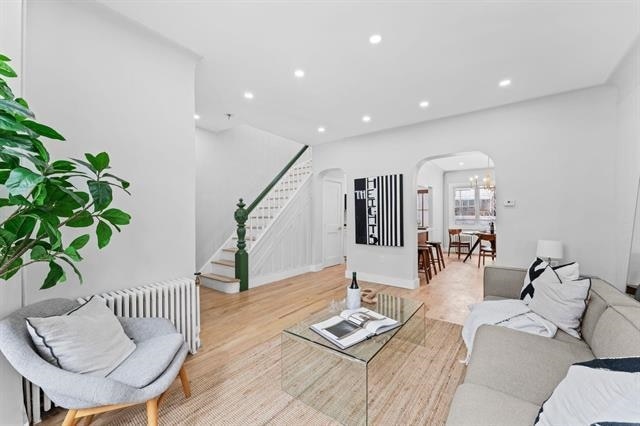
511 373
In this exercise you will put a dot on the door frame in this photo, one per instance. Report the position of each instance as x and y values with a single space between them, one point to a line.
342 230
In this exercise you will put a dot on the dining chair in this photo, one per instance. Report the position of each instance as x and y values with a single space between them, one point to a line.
487 249
457 242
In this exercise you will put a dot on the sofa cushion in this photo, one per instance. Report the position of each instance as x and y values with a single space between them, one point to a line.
617 333
523 365
601 296
137 371
476 405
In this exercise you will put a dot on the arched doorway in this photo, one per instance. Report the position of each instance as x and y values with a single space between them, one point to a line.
456 193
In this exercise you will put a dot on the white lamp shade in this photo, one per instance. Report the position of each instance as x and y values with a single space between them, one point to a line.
548 249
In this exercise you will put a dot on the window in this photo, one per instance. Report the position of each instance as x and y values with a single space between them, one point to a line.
474 206
423 208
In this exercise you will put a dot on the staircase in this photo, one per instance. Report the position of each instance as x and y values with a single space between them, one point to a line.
221 272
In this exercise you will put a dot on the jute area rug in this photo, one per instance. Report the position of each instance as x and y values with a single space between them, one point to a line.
247 390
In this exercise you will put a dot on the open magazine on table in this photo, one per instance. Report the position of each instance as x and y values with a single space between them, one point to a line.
354 326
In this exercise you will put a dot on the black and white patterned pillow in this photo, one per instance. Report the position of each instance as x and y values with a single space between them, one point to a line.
612 396
541 270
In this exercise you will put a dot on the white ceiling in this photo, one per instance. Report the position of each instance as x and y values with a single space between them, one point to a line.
469 160
451 54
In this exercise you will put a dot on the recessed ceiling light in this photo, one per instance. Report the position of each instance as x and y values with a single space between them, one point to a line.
505 83
366 118
424 104
321 129
375 39
196 117
461 163
248 95
299 73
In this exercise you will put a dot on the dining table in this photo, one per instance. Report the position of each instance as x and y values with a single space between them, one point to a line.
473 233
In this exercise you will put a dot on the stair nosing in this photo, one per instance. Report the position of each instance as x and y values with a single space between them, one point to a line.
221 278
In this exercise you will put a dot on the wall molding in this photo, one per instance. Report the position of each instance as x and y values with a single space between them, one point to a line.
410 284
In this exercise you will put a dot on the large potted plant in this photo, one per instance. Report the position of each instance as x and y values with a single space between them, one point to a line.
40 197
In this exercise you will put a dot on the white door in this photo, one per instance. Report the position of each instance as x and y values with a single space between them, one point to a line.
332 217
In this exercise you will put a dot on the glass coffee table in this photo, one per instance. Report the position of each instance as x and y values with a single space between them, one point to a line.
336 381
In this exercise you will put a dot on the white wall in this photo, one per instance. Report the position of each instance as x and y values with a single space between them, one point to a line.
626 81
232 164
431 176
109 85
552 155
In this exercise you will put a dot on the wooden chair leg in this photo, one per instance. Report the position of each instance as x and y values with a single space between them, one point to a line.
186 386
70 418
441 256
152 412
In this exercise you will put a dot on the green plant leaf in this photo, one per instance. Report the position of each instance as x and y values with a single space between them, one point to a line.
86 164
56 275
99 162
72 267
13 269
43 130
103 232
6 70
101 194
15 108
10 124
82 220
123 182
55 237
73 254
63 165
21 225
21 181
7 237
5 90
39 253
116 217
22 102
80 242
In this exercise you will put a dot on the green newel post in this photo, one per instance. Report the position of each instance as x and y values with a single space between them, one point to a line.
242 257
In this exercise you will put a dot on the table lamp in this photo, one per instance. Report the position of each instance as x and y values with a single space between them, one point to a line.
549 250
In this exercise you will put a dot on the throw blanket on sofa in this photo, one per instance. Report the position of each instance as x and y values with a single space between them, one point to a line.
511 313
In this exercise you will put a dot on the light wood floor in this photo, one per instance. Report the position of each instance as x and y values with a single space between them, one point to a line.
234 323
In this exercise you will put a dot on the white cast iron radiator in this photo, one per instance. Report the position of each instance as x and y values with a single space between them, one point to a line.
176 300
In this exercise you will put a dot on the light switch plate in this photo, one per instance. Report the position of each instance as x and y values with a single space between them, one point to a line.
509 203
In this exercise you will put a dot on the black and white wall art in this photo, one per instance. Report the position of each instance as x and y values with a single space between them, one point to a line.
378 211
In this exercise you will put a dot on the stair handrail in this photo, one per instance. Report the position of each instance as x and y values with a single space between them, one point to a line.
242 214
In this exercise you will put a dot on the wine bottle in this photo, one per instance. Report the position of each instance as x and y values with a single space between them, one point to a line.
354 282
353 294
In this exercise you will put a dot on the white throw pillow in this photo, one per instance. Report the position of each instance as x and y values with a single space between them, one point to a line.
541 270
568 271
88 339
601 391
562 303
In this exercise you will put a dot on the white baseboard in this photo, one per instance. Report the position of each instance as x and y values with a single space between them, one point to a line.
316 268
277 276
410 284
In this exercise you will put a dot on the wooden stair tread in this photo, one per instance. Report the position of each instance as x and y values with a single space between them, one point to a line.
224 262
230 249
220 278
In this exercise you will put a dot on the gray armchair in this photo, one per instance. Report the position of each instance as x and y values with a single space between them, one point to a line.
142 378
